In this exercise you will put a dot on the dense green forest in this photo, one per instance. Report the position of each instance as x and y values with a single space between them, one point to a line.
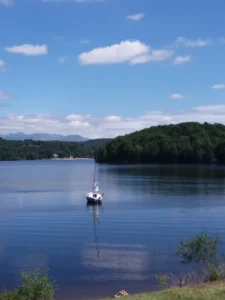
182 143
96 142
30 150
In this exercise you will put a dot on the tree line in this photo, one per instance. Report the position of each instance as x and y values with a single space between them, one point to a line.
32 150
189 142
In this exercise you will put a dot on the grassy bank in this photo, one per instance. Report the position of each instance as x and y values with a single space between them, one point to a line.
209 291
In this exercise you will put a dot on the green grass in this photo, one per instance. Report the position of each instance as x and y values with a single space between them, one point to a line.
213 291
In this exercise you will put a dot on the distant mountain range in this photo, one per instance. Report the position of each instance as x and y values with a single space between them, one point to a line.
20 136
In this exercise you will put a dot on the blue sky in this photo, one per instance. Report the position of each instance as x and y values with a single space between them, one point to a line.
103 68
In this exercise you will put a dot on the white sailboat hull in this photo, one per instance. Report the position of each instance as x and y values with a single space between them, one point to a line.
94 197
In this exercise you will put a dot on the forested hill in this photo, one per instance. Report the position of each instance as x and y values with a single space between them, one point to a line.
182 143
30 150
96 142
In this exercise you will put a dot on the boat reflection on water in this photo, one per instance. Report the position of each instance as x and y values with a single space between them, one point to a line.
95 208
119 260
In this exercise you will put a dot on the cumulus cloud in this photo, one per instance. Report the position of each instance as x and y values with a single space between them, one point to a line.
133 52
6 2
112 118
215 109
182 59
176 96
29 50
191 43
154 55
117 53
136 17
108 126
4 96
218 86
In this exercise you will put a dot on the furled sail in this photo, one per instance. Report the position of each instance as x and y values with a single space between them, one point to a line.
96 187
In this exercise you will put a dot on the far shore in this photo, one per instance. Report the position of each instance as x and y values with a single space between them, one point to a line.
65 159
76 158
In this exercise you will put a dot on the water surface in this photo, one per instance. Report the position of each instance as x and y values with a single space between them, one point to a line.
93 252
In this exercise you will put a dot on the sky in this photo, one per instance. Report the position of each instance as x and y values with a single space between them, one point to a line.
103 68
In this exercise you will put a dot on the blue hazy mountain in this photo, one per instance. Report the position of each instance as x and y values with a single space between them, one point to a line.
20 136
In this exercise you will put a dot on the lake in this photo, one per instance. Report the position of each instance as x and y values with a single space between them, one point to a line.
92 252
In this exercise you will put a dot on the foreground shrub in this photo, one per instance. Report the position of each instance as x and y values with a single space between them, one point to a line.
214 272
163 280
202 248
182 280
35 286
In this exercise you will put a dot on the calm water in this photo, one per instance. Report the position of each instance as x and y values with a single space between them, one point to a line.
45 222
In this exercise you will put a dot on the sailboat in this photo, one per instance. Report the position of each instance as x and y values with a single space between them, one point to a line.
95 196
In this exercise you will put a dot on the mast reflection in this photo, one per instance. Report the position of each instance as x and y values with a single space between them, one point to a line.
95 208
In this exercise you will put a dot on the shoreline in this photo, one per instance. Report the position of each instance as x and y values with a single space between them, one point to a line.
49 159
77 158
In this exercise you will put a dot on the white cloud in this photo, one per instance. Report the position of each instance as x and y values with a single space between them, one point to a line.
182 59
133 52
108 126
141 59
117 53
76 117
6 2
112 118
176 96
218 86
184 42
4 96
154 55
215 109
2 65
62 59
136 17
29 50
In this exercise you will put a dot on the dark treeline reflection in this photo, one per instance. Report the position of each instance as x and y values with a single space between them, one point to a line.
178 172
200 183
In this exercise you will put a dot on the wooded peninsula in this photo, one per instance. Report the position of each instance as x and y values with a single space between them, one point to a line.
186 143
33 150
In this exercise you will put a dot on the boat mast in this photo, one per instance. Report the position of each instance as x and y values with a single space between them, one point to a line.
94 175
95 169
